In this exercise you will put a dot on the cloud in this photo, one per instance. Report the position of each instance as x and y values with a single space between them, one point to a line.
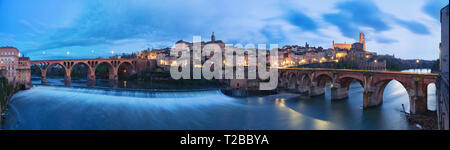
301 20
273 33
433 8
347 28
353 15
414 27
385 40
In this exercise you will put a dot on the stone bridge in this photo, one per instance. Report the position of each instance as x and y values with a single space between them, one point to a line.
92 64
312 81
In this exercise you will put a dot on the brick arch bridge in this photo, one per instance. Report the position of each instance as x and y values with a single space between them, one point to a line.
92 64
312 81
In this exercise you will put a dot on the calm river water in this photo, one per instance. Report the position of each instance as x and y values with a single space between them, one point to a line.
57 107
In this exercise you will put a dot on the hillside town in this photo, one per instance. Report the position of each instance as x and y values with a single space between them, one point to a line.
289 55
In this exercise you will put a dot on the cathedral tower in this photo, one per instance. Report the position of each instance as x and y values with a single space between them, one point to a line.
362 40
213 38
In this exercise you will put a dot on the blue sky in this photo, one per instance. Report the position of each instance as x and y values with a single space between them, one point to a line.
47 29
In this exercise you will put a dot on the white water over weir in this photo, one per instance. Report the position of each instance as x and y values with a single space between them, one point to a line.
142 93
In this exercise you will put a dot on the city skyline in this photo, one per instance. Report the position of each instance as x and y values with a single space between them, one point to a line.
86 29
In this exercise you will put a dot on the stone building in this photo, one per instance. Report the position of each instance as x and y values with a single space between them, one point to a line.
346 46
14 67
442 81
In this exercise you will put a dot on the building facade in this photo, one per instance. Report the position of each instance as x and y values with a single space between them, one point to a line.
442 81
14 68
346 46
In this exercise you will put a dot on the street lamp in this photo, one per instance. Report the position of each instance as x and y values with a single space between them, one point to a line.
417 62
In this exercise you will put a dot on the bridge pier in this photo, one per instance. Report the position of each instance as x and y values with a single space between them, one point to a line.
67 79
91 80
371 99
91 77
303 89
113 75
315 90
418 104
43 77
418 98
338 92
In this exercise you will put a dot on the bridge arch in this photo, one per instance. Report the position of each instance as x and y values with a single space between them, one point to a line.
305 83
125 70
344 80
431 96
112 73
322 79
89 70
373 95
292 80
319 81
49 68
282 79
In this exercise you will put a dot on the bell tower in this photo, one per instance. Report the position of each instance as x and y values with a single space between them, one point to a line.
213 38
362 40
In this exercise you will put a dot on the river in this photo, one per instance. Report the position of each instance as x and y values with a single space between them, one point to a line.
102 107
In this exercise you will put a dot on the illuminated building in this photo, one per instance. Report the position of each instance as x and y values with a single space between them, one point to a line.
14 68
345 46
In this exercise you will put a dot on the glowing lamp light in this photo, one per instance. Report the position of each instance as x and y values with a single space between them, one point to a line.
174 63
417 61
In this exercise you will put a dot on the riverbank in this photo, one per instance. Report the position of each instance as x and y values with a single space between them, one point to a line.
6 92
427 120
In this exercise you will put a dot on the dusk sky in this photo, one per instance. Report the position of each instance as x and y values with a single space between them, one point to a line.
47 29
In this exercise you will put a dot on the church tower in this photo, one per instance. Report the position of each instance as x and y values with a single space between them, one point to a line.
213 38
362 40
